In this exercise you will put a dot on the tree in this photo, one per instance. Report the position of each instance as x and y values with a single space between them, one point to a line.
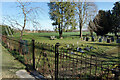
28 14
62 13
116 17
91 15
102 23
84 12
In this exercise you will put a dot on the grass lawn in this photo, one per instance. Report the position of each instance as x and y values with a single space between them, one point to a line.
71 38
110 50
9 65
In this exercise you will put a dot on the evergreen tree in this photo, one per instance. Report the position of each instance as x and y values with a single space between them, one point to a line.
102 23
116 17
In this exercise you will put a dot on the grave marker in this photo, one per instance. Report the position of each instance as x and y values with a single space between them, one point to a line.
100 40
93 39
118 40
87 39
108 40
112 39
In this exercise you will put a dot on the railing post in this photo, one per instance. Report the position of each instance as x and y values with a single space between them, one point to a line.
56 60
33 51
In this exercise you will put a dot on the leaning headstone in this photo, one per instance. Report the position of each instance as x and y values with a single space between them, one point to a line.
87 38
112 39
118 40
100 40
108 40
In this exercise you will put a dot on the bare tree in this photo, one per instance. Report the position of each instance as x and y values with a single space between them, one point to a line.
28 13
84 14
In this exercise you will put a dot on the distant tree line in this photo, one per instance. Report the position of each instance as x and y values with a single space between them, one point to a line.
106 21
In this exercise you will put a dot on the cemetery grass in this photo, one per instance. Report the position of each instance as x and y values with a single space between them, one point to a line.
9 65
102 49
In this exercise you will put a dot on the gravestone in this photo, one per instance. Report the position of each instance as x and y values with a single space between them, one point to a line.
91 47
101 37
80 50
100 40
112 39
68 46
72 53
87 48
84 38
108 40
87 38
93 39
105 39
117 37
118 40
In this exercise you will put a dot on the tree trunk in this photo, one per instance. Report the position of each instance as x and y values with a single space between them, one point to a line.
23 27
91 33
60 31
80 26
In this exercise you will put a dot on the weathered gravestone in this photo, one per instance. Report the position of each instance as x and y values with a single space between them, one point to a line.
101 37
105 39
112 39
68 46
108 40
87 48
100 40
80 50
84 38
87 38
118 40
93 39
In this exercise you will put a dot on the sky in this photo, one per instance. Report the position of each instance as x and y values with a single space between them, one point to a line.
9 8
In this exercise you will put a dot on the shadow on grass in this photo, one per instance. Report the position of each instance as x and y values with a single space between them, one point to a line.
103 44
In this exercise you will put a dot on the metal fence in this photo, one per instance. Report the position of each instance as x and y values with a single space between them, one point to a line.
57 62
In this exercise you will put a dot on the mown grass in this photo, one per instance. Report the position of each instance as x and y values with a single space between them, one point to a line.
71 38
9 65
